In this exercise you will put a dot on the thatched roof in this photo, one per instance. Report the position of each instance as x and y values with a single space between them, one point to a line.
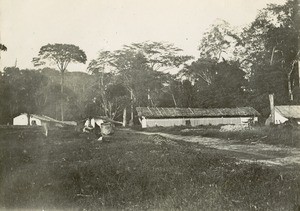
289 111
195 112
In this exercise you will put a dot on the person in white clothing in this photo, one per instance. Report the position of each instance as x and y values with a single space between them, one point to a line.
143 122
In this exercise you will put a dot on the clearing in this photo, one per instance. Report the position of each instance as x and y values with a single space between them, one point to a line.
134 171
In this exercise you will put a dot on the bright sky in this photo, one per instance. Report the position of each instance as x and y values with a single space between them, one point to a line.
26 25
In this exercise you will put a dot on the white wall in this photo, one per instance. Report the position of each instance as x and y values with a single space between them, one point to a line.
279 119
23 120
38 122
198 121
20 120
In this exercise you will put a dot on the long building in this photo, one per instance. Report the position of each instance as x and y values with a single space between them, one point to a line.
167 117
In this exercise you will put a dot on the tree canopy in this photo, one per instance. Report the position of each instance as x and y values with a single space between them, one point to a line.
139 68
60 55
236 67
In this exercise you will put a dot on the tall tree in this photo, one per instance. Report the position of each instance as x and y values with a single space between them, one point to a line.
132 71
221 41
60 55
297 25
215 84
159 56
272 40
98 68
140 67
200 70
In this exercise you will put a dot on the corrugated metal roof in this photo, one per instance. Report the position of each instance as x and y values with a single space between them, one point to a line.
289 111
195 112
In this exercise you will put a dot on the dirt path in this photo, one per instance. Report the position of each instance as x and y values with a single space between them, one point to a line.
256 152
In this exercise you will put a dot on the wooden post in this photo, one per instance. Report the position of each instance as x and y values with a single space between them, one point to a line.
28 119
272 108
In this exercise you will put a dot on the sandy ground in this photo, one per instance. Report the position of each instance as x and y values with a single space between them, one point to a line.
254 152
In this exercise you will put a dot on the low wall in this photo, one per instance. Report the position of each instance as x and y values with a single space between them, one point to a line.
198 121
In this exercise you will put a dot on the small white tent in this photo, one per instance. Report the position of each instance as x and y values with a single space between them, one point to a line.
22 119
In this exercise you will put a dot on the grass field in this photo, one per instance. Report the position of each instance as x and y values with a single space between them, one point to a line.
135 172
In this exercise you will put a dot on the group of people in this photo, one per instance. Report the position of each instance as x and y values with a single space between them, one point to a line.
93 125
90 126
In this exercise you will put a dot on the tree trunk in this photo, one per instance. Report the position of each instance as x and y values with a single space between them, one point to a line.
62 93
175 104
131 106
272 56
148 97
57 110
103 94
124 117
89 122
272 108
290 87
297 23
299 71
28 118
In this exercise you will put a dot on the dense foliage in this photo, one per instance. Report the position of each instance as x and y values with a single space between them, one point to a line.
38 92
236 67
60 55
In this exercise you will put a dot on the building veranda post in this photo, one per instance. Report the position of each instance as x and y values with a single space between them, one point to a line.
167 117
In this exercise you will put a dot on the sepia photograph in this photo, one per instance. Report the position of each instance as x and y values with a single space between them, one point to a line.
149 105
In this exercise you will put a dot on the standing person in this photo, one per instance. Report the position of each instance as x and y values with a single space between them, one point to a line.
45 127
143 122
91 111
97 130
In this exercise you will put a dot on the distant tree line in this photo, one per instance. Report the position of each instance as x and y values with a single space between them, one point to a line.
236 67
38 92
242 66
